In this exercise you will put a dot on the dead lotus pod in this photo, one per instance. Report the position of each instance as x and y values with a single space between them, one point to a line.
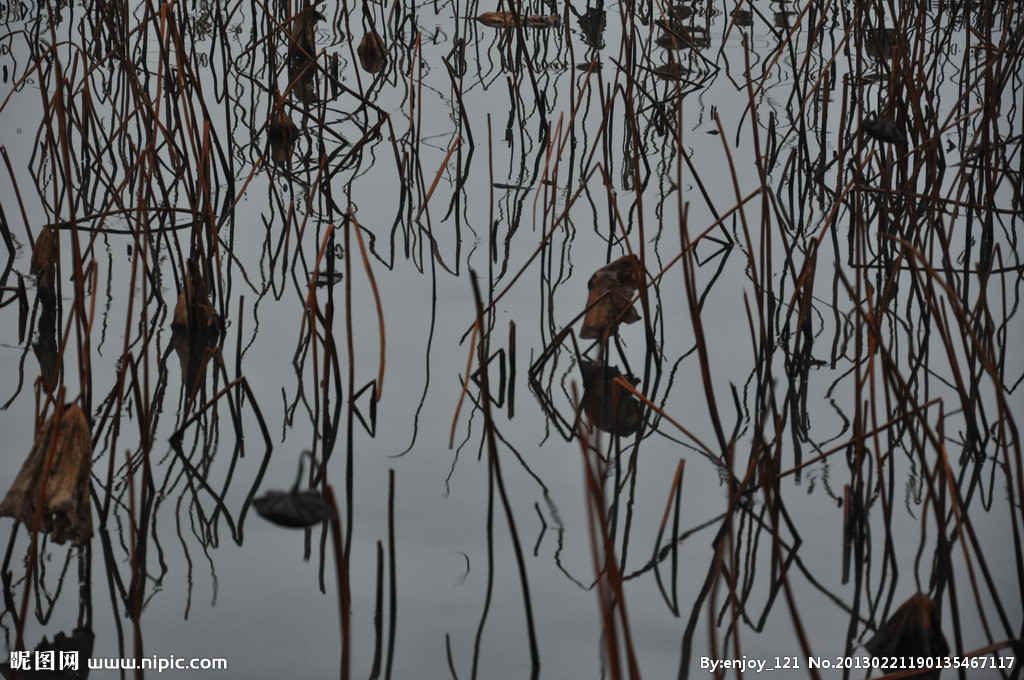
67 509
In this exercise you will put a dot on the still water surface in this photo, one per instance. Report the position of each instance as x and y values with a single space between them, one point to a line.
828 351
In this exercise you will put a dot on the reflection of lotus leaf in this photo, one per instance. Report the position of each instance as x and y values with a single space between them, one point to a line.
672 41
677 35
671 71
194 313
674 16
743 17
592 24
80 642
783 19
193 352
608 405
45 345
302 45
878 42
281 137
883 130
281 129
302 67
372 54
294 509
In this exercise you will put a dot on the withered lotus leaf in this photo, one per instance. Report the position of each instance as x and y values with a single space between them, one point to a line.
511 19
44 257
67 508
610 300
914 630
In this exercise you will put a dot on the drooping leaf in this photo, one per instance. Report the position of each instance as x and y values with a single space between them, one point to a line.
67 509
611 293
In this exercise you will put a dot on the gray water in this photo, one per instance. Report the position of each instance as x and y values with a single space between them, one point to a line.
858 302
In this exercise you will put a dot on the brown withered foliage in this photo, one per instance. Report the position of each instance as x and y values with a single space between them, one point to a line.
511 19
611 293
44 258
913 630
67 510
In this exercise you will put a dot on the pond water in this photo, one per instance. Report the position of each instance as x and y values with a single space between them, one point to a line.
742 378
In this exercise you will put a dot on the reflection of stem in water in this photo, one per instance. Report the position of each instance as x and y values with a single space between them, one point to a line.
495 482
45 346
607 569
